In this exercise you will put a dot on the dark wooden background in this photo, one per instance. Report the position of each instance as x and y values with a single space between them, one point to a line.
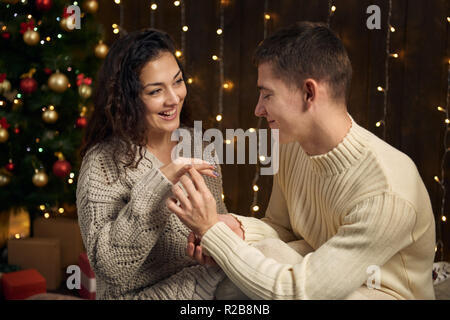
418 78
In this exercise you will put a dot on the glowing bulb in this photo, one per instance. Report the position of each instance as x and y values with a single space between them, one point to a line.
176 3
117 1
333 8
42 207
262 158
42 41
223 196
116 31
59 35
215 58
72 175
448 19
440 109
226 85
378 124
2 103
70 181
219 117
115 26
447 121
17 236
154 6
255 188
394 55
190 80
380 89
185 28
436 178
61 210
444 218
178 53
46 215
219 31
255 208
29 16
252 130
267 16
392 29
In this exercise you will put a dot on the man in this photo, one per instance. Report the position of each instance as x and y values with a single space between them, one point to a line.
345 205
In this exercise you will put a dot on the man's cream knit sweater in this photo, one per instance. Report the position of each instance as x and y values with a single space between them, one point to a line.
136 246
362 204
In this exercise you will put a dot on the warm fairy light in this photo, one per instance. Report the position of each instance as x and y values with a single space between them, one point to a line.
267 16
17 236
190 80
262 158
333 8
215 58
223 196
219 117
42 41
392 29
42 207
227 141
72 175
46 215
440 109
48 38
176 3
448 19
154 6
436 178
116 31
255 208
185 28
447 121
378 124
117 1
61 210
379 88
29 16
255 188
444 218
51 107
252 130
70 181
4 28
115 26
178 53
219 31
394 55
2 103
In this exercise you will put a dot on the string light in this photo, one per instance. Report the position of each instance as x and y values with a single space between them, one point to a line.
176 3
331 10
178 53
117 1
215 58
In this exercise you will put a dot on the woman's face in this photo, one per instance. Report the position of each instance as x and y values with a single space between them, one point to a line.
163 94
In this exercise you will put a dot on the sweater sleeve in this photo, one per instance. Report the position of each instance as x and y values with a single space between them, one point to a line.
119 234
275 224
371 233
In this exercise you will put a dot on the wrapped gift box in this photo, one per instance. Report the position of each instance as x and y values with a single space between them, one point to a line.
42 254
88 284
22 284
67 231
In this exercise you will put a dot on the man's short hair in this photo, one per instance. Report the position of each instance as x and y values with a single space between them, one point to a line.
308 50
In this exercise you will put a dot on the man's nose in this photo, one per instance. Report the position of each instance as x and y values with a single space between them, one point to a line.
260 111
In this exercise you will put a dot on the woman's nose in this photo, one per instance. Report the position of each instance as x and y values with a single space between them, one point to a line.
172 97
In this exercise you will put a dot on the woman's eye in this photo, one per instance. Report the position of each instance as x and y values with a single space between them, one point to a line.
179 81
152 93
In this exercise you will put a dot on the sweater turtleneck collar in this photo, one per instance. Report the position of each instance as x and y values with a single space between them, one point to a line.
344 155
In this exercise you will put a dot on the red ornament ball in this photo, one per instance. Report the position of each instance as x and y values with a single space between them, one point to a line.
81 122
61 168
16 130
28 85
6 35
10 166
44 5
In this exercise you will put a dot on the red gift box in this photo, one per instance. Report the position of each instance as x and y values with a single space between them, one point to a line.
88 284
22 284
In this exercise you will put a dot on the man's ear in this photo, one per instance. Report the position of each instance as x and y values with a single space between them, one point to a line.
309 90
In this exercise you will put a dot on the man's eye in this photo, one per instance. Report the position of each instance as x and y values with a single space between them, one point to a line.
267 96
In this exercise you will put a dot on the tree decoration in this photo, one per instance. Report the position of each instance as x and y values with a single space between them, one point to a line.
90 6
30 36
40 178
4 135
62 167
28 84
101 50
58 82
50 115
44 5
84 86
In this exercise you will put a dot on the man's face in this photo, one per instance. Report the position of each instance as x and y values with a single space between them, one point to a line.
280 104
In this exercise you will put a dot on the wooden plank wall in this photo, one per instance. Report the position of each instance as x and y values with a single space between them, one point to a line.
418 78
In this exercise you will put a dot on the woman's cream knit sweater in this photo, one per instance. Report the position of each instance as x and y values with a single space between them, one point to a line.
135 245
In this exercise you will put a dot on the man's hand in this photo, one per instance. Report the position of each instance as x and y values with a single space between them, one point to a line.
180 166
194 249
198 210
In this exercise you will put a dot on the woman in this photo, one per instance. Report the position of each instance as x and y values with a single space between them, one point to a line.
136 247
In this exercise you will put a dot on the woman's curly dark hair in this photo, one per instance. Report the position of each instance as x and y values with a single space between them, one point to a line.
119 112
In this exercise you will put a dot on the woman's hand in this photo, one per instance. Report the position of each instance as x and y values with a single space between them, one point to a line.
197 210
180 166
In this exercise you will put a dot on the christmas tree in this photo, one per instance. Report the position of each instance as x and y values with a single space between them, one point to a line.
50 53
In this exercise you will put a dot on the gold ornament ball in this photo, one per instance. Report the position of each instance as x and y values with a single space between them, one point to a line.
40 179
58 82
64 24
90 6
50 116
5 86
4 180
85 91
31 37
4 135
101 50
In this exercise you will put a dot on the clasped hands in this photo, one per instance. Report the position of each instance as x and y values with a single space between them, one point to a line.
197 210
